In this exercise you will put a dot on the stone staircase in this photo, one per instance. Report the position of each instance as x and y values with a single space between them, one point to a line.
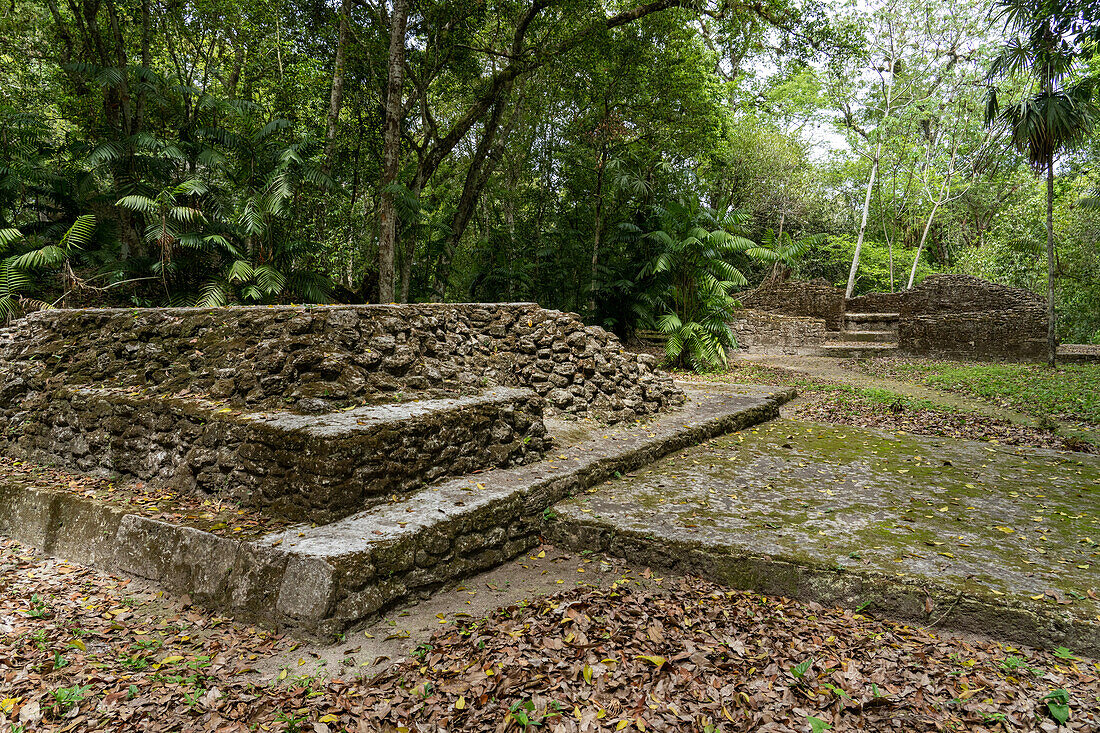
863 335
324 577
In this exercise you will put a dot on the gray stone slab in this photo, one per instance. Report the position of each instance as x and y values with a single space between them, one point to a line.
974 536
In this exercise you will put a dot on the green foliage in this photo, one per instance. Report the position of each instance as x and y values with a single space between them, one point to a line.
831 258
1058 705
689 284
1070 392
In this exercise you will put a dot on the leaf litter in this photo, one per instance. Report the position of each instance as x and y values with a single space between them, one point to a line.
79 651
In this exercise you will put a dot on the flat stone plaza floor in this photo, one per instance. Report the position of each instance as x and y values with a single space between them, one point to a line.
979 534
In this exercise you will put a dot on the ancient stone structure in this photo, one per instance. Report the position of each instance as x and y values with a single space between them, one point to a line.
944 315
959 315
767 332
313 468
874 303
322 578
321 358
816 299
308 414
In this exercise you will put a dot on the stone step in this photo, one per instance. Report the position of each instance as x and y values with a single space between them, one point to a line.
857 350
466 525
863 317
869 336
875 320
323 579
314 468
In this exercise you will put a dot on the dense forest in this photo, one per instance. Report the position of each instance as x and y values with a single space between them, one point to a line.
636 163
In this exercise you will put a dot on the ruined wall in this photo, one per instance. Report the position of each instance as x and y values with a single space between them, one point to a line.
322 358
816 299
874 303
762 331
317 468
960 315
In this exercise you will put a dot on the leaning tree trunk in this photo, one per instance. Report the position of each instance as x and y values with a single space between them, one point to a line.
1052 344
863 224
391 151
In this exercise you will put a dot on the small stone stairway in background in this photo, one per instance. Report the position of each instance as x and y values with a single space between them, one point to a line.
863 335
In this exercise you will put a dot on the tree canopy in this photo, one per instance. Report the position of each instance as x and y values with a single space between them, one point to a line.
228 151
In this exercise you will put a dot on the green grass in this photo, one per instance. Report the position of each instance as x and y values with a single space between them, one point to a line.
1070 392
756 374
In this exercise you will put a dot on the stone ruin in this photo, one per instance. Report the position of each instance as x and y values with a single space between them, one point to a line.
383 451
309 414
944 315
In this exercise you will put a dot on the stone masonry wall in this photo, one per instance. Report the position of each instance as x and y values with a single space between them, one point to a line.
816 299
322 358
874 303
762 331
964 316
315 468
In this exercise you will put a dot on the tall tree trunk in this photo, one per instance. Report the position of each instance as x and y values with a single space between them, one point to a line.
391 150
1052 344
863 223
482 165
336 98
593 284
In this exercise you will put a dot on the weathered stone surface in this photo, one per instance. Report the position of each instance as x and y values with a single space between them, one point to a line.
301 467
307 590
874 303
817 299
763 330
307 358
964 316
843 515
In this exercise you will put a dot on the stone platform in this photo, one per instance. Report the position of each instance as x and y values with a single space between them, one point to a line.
976 537
295 466
324 578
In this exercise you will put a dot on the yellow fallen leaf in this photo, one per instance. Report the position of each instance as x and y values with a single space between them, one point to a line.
330 718
460 703
172 659
653 659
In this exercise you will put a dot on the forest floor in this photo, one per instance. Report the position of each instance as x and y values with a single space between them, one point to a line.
566 641
617 649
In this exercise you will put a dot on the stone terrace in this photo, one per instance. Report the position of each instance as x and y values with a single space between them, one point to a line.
323 579
309 413
408 440
978 537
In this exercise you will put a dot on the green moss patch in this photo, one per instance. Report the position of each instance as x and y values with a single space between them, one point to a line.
1070 392
1018 525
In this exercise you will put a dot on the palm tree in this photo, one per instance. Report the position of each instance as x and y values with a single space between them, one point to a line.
691 280
1058 109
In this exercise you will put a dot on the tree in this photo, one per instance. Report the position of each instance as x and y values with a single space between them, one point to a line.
1058 106
690 282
